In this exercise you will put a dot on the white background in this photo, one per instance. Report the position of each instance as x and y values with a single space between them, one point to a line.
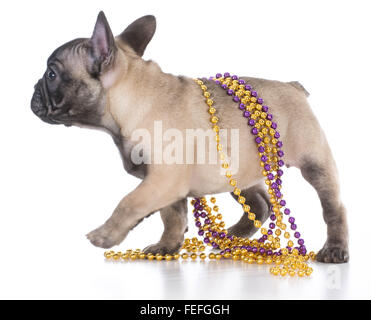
57 183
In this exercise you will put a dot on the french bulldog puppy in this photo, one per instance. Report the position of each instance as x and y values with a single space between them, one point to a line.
102 82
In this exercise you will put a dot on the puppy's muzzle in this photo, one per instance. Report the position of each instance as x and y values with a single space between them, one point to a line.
38 105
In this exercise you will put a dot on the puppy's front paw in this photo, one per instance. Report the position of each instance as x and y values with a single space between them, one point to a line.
163 248
333 254
101 237
106 237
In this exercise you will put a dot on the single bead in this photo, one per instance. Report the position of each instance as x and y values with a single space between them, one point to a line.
283 272
237 191
246 208
150 256
292 273
257 224
116 256
247 114
241 199
212 110
108 255
309 271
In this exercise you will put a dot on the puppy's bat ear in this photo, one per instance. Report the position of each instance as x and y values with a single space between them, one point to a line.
103 48
138 34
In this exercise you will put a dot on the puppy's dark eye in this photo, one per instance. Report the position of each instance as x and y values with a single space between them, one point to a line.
51 75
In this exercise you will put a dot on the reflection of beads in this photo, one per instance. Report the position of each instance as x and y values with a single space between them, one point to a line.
267 249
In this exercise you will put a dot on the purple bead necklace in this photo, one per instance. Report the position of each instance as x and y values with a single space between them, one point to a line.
267 249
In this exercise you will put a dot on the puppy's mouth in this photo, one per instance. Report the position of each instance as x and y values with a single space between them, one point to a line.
39 105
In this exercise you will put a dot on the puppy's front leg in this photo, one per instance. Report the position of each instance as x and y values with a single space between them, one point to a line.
163 186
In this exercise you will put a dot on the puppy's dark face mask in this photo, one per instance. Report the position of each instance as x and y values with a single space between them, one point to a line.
70 91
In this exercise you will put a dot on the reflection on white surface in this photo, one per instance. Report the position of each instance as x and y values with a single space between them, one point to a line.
81 278
224 280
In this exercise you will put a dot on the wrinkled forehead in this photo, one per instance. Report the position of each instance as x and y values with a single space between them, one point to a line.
71 56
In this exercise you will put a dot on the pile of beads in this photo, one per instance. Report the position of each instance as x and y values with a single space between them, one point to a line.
289 259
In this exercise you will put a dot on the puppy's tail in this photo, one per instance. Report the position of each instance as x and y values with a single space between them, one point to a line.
299 86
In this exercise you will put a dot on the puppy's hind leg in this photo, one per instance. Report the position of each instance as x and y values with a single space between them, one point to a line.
257 198
322 175
174 218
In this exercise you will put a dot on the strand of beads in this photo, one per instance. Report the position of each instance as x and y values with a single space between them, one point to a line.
269 151
267 249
